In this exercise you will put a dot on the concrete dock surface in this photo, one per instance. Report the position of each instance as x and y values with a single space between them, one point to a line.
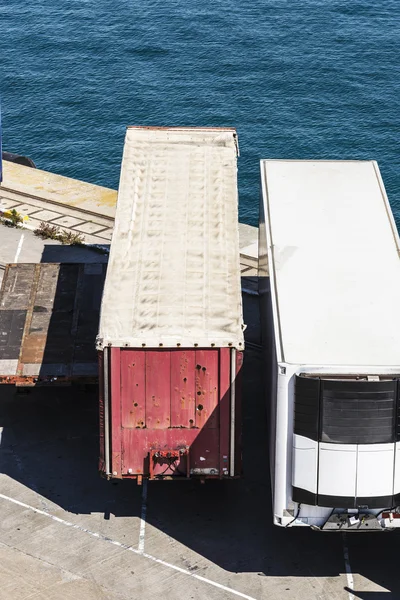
82 208
65 533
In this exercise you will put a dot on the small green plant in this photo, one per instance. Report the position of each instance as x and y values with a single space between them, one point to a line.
47 231
11 218
69 237
52 232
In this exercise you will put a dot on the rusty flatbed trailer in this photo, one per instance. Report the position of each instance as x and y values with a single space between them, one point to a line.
49 318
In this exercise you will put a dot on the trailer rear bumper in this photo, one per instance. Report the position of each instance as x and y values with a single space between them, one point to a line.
340 519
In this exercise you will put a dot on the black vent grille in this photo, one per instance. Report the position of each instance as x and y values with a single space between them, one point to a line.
306 407
358 412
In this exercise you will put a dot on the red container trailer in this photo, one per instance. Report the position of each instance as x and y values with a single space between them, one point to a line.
171 332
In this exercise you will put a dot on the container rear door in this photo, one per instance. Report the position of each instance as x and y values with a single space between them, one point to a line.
170 412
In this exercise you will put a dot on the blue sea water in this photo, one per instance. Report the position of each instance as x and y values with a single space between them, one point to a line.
298 79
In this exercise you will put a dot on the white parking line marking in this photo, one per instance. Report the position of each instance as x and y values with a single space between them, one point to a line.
128 548
143 517
18 252
349 574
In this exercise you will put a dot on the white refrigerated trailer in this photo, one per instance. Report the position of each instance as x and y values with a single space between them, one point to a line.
329 271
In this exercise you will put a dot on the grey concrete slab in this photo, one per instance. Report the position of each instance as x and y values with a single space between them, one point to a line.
89 228
106 234
247 235
67 221
46 215
67 532
7 204
20 577
28 209
250 251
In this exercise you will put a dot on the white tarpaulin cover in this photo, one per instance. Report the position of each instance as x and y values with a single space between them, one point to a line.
173 277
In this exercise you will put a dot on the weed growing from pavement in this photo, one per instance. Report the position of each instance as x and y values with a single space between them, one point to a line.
11 218
47 231
69 237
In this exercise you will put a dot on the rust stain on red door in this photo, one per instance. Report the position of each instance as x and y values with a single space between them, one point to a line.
158 389
133 398
170 403
207 388
182 388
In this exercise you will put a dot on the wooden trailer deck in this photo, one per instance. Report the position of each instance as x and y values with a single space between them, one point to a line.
49 318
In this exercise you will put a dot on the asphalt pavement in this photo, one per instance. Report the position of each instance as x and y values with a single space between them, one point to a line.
21 245
65 533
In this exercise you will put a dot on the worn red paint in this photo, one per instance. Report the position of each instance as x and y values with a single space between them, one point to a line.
183 389
207 388
170 413
133 389
158 389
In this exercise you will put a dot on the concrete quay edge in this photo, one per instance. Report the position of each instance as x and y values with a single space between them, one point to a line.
83 208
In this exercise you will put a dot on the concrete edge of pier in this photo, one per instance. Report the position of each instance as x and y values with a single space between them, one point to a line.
83 208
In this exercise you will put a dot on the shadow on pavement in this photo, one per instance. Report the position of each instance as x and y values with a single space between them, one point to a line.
371 595
54 253
50 444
